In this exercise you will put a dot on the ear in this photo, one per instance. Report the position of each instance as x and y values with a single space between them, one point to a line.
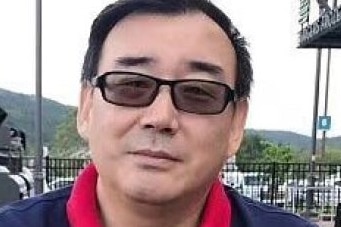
84 111
238 122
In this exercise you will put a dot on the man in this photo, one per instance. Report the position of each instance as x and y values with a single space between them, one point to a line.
164 100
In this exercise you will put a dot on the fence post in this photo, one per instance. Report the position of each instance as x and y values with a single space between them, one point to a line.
47 168
337 222
273 182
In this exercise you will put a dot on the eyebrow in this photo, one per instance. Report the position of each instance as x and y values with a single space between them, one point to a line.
134 61
209 68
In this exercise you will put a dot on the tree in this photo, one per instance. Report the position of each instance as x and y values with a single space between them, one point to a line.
254 148
67 142
251 148
277 153
331 156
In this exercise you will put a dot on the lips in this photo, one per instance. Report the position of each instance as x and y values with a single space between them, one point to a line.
155 154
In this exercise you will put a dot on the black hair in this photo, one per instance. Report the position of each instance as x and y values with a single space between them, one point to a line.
115 12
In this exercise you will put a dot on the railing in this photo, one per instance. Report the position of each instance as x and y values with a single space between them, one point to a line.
286 185
280 184
58 172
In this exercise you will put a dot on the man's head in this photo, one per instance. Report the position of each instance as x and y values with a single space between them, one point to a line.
163 98
114 13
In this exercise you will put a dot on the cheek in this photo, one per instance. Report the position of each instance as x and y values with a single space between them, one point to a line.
207 150
108 119
215 142
108 125
210 138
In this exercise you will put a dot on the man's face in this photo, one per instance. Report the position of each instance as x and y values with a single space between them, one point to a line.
158 153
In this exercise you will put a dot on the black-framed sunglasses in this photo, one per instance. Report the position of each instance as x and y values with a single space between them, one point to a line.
133 89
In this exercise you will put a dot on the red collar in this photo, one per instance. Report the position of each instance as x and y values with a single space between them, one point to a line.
82 207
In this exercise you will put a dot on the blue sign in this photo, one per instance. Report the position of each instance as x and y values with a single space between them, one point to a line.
324 122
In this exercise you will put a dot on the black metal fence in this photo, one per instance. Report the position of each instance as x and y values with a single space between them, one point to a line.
280 184
59 172
286 184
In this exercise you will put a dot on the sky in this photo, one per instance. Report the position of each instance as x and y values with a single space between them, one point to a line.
282 94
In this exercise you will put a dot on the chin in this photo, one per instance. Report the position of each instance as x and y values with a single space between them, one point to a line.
150 193
154 200
151 197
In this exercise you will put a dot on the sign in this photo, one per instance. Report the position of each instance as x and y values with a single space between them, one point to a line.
304 11
324 122
326 21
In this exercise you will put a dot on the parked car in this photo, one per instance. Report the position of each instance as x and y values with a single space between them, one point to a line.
329 191
232 178
61 182
254 185
259 186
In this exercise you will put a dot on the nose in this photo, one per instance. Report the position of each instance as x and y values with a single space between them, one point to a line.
161 115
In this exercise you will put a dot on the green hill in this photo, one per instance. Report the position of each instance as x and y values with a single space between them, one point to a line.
298 141
21 114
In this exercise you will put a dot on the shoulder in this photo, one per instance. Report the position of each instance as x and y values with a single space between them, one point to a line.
248 212
45 210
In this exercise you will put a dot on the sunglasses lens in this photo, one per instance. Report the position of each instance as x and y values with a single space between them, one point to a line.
129 90
201 97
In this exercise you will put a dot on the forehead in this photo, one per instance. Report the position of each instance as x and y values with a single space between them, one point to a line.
171 40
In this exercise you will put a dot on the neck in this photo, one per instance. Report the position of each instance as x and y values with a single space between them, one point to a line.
123 211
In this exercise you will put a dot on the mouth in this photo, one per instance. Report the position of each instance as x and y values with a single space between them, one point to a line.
155 154
149 159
